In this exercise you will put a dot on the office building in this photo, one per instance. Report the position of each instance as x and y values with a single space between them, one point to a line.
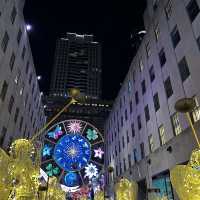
77 64
145 136
21 110
94 111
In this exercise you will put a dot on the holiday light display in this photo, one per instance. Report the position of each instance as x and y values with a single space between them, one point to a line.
76 155
126 190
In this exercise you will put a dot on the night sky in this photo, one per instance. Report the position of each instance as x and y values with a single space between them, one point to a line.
109 21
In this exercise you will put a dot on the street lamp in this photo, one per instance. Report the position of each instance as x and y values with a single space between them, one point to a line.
187 105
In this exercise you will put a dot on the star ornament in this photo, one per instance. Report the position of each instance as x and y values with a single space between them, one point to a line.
91 171
74 127
98 153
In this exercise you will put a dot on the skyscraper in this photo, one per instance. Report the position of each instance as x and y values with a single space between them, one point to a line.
77 63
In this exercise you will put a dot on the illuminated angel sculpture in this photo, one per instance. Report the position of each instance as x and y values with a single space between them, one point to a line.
126 190
186 178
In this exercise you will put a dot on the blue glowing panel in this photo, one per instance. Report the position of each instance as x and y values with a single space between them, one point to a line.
72 179
72 152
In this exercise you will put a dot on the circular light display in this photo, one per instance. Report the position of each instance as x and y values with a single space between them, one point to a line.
72 152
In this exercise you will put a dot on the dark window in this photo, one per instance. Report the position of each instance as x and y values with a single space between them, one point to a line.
198 42
155 5
175 36
12 61
16 115
142 150
27 67
168 87
133 76
4 42
183 69
143 87
23 52
152 73
122 121
11 103
126 115
13 15
156 102
4 91
119 147
136 97
2 135
146 111
120 103
131 107
193 10
162 57
129 160
26 99
123 142
139 122
124 164
19 36
30 78
127 137
133 130
135 155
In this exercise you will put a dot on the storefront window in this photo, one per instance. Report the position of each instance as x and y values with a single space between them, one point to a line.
164 185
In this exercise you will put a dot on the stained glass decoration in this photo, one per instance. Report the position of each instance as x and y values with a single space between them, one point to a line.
73 151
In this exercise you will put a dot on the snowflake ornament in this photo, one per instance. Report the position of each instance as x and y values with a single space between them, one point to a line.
92 134
74 127
91 171
98 153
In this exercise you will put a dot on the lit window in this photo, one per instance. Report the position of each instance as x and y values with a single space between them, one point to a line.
141 65
157 32
162 135
22 89
17 77
176 124
196 112
151 143
168 9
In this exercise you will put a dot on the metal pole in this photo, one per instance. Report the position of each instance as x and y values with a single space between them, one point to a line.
54 118
193 129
